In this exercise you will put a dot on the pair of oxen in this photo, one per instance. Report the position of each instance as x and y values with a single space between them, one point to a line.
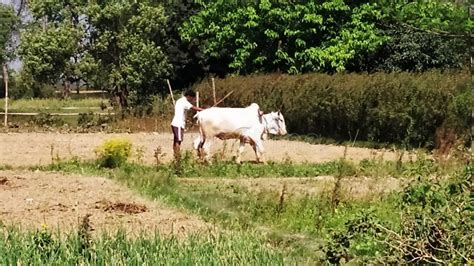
249 125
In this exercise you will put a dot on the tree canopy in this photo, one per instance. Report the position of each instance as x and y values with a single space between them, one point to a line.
131 47
8 20
305 36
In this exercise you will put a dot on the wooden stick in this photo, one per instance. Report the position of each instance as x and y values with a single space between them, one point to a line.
171 91
214 91
228 94
197 98
5 79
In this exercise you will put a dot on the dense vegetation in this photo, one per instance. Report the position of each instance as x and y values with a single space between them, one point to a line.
45 247
129 48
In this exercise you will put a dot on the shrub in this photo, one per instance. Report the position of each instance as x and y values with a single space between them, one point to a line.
435 227
85 119
48 120
114 152
404 108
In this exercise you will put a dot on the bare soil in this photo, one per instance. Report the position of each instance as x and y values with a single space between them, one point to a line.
24 149
33 199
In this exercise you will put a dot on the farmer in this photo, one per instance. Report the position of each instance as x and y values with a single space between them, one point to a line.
179 119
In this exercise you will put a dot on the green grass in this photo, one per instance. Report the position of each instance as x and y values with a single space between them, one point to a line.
50 105
41 247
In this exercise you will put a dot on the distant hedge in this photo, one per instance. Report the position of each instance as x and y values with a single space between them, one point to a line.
404 108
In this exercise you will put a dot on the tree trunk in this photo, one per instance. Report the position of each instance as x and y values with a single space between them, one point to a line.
66 89
5 79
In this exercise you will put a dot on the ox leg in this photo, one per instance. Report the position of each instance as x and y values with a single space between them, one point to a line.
258 148
207 151
201 148
241 150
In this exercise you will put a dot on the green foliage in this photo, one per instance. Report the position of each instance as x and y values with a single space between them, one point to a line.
52 48
47 120
44 243
112 45
89 120
435 227
396 108
443 17
189 64
437 221
291 37
85 119
127 42
18 247
412 49
8 21
113 153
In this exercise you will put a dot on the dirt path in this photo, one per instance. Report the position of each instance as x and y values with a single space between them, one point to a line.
22 149
31 199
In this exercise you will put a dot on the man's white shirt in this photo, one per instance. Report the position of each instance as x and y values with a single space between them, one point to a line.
179 119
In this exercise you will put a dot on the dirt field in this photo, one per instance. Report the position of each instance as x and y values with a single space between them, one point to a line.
31 199
22 149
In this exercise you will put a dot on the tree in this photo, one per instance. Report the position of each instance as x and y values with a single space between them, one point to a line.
54 44
126 42
292 37
189 63
414 50
112 45
442 17
421 35
8 20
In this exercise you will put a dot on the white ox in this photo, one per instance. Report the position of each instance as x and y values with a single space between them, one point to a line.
245 124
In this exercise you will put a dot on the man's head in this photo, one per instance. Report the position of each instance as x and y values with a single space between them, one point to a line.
190 95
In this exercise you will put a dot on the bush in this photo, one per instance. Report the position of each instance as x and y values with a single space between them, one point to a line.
47 120
435 227
403 108
85 119
113 153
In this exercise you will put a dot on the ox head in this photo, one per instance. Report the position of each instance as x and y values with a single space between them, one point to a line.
275 123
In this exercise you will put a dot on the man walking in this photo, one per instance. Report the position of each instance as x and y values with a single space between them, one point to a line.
179 119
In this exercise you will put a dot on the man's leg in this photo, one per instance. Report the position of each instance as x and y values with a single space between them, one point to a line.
177 139
177 150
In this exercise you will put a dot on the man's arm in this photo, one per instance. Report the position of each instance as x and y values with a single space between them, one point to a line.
195 108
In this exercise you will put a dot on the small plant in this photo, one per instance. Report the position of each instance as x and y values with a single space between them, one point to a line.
84 235
281 202
44 242
158 154
140 151
113 153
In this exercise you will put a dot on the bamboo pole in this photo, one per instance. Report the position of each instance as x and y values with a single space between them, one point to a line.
171 91
197 98
214 91
5 79
228 94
